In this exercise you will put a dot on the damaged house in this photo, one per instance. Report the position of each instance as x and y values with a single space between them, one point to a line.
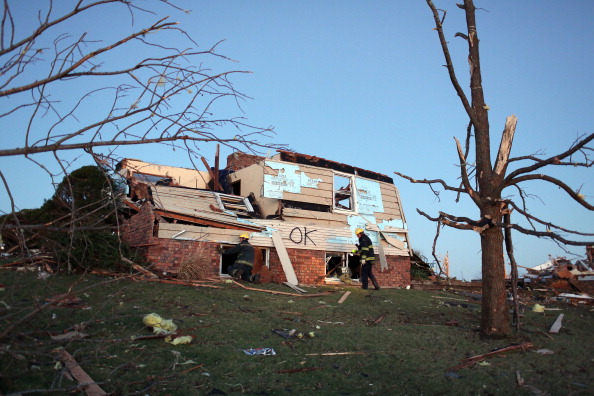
300 211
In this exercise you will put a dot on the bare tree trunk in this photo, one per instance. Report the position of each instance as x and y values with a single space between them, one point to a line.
495 312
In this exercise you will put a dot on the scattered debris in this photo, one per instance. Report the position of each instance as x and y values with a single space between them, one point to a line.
295 287
71 335
376 321
471 361
538 308
159 325
65 300
284 334
344 297
260 351
563 275
557 325
335 353
179 340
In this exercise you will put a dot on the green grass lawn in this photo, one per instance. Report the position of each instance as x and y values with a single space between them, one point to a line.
391 341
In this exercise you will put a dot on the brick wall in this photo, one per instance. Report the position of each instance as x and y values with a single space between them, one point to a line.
167 255
310 268
138 229
239 160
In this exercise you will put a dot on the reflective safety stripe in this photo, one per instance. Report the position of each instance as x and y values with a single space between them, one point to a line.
244 262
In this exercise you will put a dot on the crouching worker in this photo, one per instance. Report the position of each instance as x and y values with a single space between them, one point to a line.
367 258
241 269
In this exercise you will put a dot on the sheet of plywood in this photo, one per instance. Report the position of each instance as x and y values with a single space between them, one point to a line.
382 256
281 250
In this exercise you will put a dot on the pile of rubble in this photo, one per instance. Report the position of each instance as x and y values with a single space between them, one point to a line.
570 280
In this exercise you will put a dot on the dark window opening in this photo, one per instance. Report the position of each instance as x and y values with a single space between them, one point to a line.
306 206
227 260
342 266
261 258
334 264
343 193
236 188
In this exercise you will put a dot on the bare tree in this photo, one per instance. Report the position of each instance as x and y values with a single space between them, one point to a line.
72 94
485 182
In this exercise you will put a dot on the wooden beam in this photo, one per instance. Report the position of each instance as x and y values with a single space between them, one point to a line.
210 172
85 381
216 184
344 297
211 223
281 250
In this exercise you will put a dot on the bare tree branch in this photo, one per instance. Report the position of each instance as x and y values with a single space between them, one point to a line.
554 160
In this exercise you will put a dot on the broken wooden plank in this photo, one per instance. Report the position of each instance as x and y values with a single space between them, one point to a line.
85 381
295 287
382 256
557 325
335 353
478 358
344 297
282 293
298 370
284 258
543 333
376 321
174 282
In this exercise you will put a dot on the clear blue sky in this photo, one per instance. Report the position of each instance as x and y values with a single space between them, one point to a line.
362 82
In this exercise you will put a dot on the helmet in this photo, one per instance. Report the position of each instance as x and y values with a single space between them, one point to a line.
245 235
358 231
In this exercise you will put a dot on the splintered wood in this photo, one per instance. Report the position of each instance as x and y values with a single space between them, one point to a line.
85 381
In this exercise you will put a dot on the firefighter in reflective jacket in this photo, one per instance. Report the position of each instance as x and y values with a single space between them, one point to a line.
241 269
367 258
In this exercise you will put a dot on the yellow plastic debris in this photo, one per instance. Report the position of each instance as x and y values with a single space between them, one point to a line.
168 325
159 325
180 340
151 319
538 308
